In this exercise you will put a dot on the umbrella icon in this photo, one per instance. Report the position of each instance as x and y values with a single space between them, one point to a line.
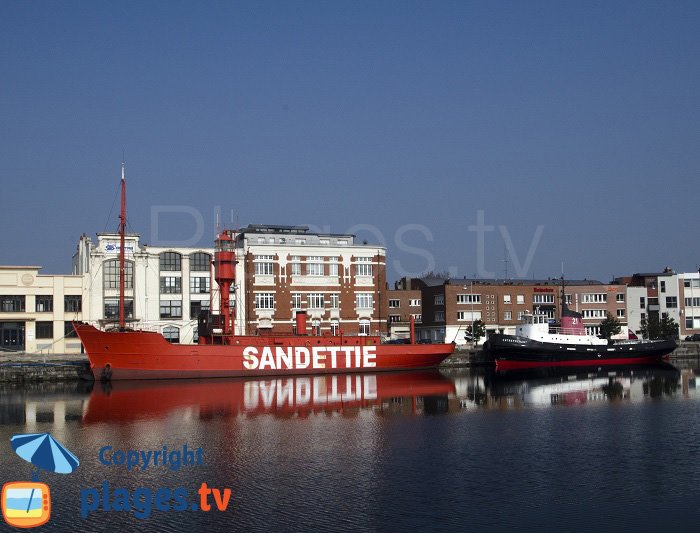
44 452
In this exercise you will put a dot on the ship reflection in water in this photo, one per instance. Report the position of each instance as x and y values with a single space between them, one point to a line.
282 396
581 385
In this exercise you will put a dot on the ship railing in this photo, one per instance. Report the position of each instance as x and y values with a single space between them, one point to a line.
566 331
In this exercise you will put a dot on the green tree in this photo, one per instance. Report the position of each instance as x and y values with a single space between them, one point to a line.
609 327
650 327
653 328
475 331
669 327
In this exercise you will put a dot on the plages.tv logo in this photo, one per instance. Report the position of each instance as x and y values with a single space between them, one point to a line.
27 504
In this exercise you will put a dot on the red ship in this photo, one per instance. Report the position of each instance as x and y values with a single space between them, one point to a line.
123 353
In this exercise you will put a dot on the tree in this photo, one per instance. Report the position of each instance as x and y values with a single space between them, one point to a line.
653 328
475 331
669 327
609 327
650 328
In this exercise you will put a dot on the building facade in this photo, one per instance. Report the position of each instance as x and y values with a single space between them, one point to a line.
36 310
449 306
402 304
280 270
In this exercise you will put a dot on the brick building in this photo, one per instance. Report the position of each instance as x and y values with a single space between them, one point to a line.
402 303
449 306
283 269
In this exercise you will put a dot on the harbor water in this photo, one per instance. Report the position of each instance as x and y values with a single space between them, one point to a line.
464 449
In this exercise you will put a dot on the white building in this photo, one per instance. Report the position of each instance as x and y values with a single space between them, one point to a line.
36 310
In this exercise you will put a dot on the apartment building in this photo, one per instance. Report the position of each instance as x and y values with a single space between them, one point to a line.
449 306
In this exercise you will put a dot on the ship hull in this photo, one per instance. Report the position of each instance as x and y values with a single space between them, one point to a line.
117 355
510 351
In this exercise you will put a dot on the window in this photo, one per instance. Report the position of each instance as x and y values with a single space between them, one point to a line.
662 286
417 317
200 262
363 266
469 298
691 283
692 302
506 298
296 300
197 306
170 285
521 314
595 313
112 308
439 299
265 300
341 242
44 330
620 313
439 316
199 285
653 301
520 298
171 334
314 266
568 299
170 261
414 303
333 266
334 327
316 327
394 304
110 272
620 297
364 300
364 327
692 322
543 298
594 298
44 304
170 309
264 265
12 304
296 265
72 304
69 331
335 301
642 301
394 318
315 300
671 302
468 315
507 315
324 242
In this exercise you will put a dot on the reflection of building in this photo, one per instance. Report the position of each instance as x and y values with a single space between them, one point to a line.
280 270
36 310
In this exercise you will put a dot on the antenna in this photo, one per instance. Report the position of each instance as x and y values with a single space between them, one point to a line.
505 262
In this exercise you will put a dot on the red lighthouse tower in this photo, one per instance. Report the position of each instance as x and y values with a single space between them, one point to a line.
225 276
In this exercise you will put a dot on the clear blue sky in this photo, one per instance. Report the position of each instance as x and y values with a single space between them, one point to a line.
581 118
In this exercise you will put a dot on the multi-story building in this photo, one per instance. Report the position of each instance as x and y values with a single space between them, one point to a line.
660 294
449 306
36 310
402 303
280 270
340 284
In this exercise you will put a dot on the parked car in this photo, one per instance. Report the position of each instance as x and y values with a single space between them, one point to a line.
695 337
398 341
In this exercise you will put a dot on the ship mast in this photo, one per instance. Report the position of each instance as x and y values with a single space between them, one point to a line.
122 230
225 276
